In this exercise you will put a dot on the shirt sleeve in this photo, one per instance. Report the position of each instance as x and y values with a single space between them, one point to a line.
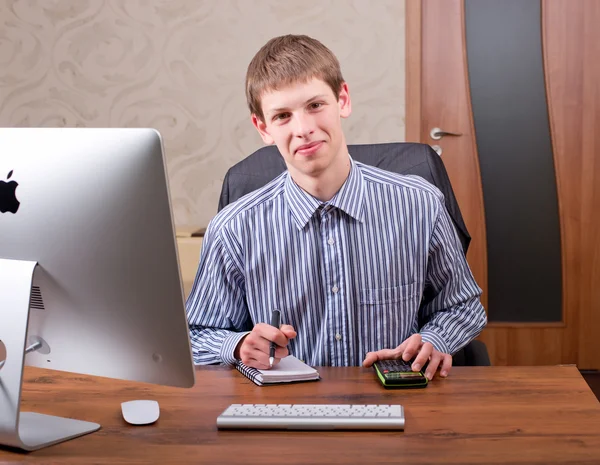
451 314
217 314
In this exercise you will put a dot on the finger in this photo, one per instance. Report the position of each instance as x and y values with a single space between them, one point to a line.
288 331
263 347
370 359
412 347
281 352
423 356
254 358
270 334
446 365
383 354
260 348
260 359
434 363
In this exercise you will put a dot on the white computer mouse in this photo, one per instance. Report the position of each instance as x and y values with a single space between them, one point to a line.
140 412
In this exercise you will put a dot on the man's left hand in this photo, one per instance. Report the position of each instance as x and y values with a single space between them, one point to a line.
414 347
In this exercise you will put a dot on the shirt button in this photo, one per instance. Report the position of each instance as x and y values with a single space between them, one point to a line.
338 337
335 289
331 241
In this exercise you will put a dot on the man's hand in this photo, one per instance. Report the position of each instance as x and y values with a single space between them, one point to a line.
411 347
253 349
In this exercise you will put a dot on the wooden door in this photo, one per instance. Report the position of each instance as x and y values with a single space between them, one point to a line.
439 95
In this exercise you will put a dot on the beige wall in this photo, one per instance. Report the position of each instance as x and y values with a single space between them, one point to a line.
179 66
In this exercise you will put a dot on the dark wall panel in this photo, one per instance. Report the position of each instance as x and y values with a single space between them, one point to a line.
504 54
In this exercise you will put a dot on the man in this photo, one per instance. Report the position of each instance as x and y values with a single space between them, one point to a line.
363 264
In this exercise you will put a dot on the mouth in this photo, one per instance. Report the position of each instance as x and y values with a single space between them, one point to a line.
309 149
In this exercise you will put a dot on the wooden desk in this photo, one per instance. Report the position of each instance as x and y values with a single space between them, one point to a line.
539 415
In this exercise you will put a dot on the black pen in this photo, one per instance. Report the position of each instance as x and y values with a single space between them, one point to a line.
275 321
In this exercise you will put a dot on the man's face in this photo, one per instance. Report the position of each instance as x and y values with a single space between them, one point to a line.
303 120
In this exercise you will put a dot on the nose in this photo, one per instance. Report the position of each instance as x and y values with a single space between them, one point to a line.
303 125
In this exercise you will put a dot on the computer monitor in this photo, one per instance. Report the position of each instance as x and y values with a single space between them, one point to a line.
92 208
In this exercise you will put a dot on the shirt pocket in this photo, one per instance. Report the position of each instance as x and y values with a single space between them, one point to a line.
389 295
387 316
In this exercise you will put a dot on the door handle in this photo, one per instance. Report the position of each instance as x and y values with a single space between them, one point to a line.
437 133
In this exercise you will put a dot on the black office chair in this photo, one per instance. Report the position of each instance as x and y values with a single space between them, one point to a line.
266 163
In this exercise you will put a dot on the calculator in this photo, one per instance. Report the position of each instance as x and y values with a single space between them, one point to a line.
399 374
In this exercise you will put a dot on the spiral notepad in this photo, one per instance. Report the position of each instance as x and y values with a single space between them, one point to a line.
288 370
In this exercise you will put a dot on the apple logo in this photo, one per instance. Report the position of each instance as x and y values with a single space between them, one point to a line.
8 197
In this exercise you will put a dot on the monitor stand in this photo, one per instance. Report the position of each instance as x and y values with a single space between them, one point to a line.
24 430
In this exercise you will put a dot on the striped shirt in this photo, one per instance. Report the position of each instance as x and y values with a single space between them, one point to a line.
362 272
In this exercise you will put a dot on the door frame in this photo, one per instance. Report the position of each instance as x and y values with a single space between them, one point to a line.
412 117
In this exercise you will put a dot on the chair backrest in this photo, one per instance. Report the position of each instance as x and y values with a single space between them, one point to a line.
266 164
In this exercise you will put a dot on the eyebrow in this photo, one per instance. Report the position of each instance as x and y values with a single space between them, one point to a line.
310 100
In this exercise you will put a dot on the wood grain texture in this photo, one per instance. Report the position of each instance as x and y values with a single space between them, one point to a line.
446 104
508 415
571 50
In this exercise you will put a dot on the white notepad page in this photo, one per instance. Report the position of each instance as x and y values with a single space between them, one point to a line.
288 369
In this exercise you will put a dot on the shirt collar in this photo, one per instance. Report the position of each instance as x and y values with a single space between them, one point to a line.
349 198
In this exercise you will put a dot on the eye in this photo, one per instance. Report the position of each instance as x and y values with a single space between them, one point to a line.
315 105
281 116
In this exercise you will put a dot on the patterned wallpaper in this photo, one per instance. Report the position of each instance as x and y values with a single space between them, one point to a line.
179 66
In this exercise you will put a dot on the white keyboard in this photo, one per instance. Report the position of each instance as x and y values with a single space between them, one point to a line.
312 417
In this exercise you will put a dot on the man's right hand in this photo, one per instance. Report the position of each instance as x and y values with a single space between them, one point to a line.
253 349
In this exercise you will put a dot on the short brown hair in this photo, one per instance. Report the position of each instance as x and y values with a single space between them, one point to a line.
288 59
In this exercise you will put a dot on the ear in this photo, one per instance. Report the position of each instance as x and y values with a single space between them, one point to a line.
261 127
344 101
